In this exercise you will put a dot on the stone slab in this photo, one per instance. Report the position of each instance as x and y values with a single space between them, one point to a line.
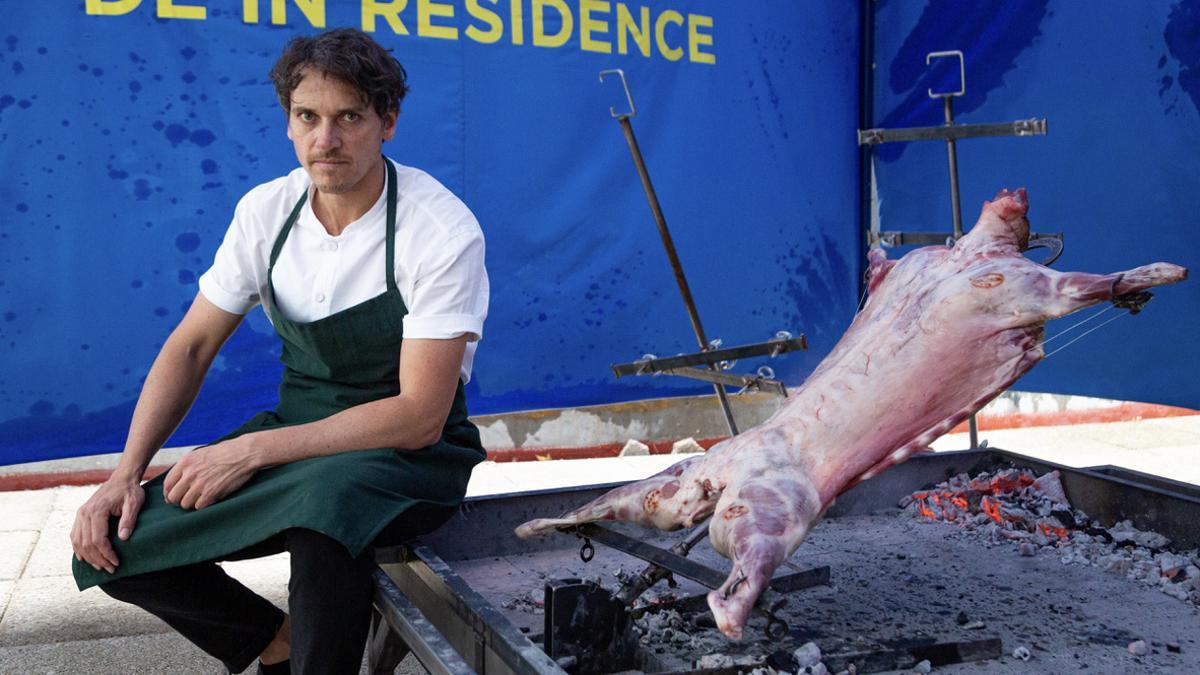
52 554
14 552
25 510
6 588
50 609
160 653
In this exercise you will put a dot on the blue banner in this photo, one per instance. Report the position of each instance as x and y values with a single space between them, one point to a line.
130 128
1119 85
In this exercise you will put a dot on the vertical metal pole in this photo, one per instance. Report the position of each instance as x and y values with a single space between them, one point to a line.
866 120
956 207
669 244
952 152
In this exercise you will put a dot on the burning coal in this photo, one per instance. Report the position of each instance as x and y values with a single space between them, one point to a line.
1033 513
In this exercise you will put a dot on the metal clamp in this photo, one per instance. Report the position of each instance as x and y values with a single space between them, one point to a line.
644 365
628 97
1134 302
962 73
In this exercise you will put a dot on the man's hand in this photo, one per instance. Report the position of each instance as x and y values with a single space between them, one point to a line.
207 475
89 534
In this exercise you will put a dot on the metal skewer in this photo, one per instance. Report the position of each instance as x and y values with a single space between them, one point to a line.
668 242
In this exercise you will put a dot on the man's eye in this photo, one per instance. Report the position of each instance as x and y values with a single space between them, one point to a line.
306 116
351 117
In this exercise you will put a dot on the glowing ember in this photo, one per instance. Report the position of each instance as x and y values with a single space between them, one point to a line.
1015 500
1033 512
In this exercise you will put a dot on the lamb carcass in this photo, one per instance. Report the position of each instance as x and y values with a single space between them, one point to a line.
945 329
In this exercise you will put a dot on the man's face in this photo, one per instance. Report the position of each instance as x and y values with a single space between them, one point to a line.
336 132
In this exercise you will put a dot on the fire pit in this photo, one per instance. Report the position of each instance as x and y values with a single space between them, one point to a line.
1009 578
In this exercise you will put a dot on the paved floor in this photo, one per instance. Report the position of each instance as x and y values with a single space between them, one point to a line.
46 626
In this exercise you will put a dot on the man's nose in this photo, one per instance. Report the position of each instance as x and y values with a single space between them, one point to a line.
328 136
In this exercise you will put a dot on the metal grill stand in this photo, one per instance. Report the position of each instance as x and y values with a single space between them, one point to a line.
950 133
710 356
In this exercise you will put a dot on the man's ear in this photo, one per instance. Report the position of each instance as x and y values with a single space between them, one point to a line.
389 125
287 119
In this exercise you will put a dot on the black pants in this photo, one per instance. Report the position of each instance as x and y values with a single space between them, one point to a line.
329 598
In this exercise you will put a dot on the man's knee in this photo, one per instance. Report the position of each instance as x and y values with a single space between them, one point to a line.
302 541
119 589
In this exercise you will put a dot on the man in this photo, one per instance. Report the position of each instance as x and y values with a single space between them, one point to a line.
372 274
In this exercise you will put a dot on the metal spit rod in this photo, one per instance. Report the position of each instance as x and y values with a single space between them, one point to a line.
668 242
952 154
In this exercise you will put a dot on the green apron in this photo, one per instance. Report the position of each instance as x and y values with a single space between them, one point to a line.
331 364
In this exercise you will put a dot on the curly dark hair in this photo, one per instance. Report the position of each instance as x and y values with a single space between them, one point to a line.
349 55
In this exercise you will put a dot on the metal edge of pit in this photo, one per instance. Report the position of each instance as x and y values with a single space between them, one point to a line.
486 640
485 525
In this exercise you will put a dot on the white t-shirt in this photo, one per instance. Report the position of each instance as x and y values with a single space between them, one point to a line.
439 259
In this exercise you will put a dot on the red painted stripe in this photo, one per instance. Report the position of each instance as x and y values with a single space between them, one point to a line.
1124 412
38 481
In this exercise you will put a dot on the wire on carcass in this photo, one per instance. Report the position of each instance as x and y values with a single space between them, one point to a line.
1074 326
1084 334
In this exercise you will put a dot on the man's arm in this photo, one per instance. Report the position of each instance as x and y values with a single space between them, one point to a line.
168 393
412 419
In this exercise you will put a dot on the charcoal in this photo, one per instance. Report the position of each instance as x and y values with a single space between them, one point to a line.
807 654
1193 576
782 660
1171 564
1016 507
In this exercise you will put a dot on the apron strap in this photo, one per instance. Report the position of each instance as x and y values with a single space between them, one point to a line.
391 227
287 227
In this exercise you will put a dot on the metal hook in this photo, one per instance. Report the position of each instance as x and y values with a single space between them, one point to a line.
587 552
628 97
784 336
777 628
1053 244
733 587
962 73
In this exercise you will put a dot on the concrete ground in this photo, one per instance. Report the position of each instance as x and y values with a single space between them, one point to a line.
47 626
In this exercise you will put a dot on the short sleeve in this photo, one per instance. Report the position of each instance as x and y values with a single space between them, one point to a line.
450 294
234 282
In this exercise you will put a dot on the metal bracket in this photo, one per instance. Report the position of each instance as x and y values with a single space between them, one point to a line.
684 364
773 347
962 73
1036 126
628 97
755 382
586 630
